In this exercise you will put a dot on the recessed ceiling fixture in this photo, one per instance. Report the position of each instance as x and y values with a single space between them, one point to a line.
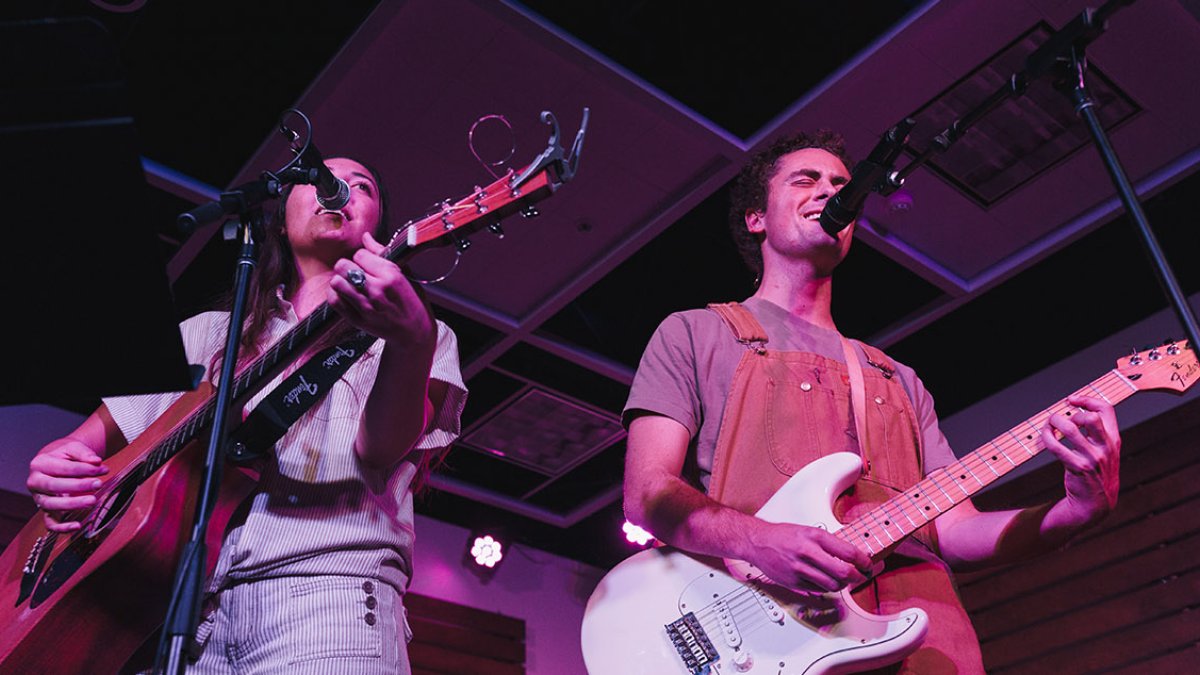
1022 137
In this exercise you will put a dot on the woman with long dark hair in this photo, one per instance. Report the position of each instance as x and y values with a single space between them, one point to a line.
313 569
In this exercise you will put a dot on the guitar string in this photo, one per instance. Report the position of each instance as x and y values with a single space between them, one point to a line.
894 509
749 615
744 608
193 424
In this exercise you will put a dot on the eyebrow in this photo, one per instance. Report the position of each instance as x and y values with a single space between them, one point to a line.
815 175
365 176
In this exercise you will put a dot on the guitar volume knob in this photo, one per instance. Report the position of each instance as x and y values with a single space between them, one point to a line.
742 661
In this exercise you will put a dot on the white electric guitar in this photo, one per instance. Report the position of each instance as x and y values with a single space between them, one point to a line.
663 611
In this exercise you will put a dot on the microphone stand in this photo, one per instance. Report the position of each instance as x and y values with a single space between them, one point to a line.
245 203
1085 108
1063 54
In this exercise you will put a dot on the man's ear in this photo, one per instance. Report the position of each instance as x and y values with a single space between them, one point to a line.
754 221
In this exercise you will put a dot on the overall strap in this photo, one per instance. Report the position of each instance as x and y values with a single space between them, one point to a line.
746 329
858 399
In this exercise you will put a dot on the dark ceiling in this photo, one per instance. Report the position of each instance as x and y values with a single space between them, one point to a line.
209 80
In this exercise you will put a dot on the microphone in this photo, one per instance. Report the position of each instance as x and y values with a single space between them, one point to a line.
869 175
333 193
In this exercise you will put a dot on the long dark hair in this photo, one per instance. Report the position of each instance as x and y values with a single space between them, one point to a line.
277 267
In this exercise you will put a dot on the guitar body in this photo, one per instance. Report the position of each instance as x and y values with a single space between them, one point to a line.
85 602
752 627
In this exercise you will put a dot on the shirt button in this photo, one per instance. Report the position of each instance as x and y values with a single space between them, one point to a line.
371 602
804 386
368 587
879 400
370 618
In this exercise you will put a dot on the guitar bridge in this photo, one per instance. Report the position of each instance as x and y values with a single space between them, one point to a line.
38 554
692 643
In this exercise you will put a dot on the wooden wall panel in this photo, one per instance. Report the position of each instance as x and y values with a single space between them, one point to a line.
1124 597
450 639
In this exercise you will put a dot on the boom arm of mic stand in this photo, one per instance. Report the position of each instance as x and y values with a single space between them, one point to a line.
1085 28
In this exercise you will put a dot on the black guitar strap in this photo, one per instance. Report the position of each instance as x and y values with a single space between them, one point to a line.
287 402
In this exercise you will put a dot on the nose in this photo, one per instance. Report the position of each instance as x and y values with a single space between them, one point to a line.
826 189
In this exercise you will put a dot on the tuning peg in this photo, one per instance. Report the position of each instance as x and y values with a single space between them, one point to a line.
530 211
495 229
462 244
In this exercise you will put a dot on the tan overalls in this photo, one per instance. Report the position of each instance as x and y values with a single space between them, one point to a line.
786 409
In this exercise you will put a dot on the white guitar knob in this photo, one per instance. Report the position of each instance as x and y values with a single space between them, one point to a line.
742 661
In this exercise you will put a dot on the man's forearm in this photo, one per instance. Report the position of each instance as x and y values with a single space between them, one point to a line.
679 515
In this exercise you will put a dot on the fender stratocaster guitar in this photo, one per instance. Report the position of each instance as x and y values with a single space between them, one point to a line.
663 611
84 602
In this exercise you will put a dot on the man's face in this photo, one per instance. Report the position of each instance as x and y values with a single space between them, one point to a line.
315 231
797 192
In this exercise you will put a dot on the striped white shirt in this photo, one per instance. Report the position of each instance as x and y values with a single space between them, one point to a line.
317 510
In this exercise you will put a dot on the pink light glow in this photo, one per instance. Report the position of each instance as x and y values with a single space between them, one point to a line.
487 551
635 534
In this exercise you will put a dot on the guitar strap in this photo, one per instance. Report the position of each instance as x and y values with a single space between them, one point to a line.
288 401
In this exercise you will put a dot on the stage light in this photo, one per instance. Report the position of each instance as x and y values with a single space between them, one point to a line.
635 534
487 551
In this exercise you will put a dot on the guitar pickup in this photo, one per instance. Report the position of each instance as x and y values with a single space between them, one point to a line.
692 643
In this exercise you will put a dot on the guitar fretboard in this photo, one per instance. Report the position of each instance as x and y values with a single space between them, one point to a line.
884 526
482 207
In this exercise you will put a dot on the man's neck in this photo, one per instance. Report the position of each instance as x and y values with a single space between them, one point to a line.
804 296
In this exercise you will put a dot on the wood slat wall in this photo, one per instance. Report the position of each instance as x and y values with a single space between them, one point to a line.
448 639
451 639
1124 597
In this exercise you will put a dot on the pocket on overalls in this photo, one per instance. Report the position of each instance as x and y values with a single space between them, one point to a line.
806 420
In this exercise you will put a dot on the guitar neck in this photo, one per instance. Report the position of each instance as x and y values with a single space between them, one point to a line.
881 528
483 207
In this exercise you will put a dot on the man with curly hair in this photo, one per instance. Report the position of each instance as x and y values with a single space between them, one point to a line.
730 401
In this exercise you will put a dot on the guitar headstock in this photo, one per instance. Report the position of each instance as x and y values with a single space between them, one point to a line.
484 207
1171 366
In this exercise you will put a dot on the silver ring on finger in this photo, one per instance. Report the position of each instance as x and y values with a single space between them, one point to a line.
357 279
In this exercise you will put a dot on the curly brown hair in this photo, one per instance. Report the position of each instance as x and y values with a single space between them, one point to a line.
749 190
